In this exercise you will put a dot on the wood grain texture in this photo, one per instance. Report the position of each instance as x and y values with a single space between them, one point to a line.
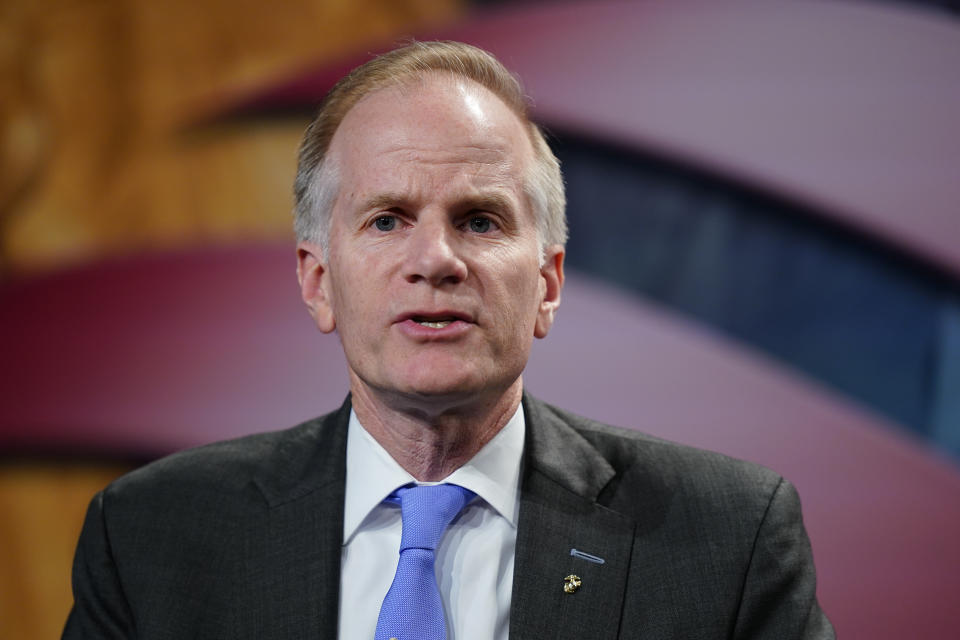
98 156
43 506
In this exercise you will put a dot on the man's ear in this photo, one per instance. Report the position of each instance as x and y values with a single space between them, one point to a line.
551 280
314 278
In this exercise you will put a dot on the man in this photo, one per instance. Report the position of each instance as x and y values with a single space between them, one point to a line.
430 218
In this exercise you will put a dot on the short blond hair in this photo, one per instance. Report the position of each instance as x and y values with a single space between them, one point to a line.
316 184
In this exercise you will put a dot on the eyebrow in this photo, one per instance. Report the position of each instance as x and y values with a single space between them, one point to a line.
491 201
383 201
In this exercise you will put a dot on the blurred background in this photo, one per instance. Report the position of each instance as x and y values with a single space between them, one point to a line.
764 254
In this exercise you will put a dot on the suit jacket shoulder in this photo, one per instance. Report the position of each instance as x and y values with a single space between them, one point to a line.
702 479
694 544
237 539
281 465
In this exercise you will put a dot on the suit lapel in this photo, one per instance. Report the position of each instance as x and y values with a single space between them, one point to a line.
293 552
563 474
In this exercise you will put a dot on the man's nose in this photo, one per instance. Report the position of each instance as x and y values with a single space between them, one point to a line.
433 255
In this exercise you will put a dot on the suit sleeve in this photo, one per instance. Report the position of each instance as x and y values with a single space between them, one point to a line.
779 595
100 609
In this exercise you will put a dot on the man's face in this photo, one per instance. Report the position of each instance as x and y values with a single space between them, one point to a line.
433 278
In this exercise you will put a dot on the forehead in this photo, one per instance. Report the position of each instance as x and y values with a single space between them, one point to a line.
439 120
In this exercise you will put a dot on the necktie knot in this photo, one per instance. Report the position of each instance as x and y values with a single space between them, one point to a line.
427 511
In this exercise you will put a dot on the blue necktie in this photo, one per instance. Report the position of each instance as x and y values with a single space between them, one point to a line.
412 608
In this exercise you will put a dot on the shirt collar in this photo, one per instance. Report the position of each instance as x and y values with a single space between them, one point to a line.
372 474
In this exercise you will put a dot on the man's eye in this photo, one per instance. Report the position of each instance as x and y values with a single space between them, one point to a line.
385 223
480 224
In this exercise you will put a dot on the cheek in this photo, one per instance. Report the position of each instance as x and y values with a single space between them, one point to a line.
347 301
527 281
521 293
356 308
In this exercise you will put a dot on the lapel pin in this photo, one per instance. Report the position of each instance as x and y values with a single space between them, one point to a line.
576 553
571 583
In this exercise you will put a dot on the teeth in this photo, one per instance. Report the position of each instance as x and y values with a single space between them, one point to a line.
434 325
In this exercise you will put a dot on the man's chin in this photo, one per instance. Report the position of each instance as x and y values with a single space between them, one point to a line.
436 382
438 377
437 392
440 389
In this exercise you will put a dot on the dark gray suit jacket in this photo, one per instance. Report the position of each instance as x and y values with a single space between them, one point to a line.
242 539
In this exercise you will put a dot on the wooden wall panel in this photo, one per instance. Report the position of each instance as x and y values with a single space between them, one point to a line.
43 506
96 157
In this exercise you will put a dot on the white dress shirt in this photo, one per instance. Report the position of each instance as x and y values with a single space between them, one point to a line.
474 562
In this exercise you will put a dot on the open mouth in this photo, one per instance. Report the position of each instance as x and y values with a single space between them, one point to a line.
433 323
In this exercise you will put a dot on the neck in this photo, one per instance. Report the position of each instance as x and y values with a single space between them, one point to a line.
431 438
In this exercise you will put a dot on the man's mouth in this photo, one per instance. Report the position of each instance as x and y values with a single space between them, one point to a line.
433 323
